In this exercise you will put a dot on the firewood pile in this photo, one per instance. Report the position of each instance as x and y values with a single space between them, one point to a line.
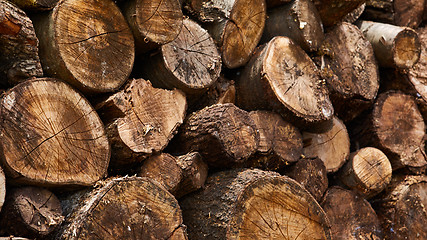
213 119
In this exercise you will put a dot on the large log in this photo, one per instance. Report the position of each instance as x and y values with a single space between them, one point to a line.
253 204
51 135
236 26
333 11
123 208
87 43
19 58
348 64
141 120
281 77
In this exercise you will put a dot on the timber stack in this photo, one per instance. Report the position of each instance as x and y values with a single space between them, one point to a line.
213 119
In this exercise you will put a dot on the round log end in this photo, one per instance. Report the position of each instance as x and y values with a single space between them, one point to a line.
406 49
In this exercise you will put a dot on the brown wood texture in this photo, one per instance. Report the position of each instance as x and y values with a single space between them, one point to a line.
190 63
19 58
31 212
35 5
253 204
332 146
333 11
87 43
417 75
123 208
348 64
281 77
235 25
352 16
350 215
51 135
298 20
223 134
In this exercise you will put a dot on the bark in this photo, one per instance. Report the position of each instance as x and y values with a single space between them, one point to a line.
396 127
402 208
351 216
235 25
332 146
280 143
394 46
123 208
298 20
348 64
352 16
2 187
87 43
51 135
367 172
417 75
153 22
311 174
35 5
36 212
191 62
281 77
406 13
179 175
223 134
19 57
141 120
333 11
253 204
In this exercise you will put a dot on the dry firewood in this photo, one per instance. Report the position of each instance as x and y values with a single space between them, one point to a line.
223 134
35 5
280 143
396 127
19 58
87 43
179 175
235 25
402 208
153 22
190 63
368 172
351 216
276 3
352 17
333 11
332 146
36 212
13 238
311 174
253 204
51 135
123 208
2 187
281 77
348 64
141 120
298 20
407 13
394 46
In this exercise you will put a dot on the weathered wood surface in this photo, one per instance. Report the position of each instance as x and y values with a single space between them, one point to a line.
333 11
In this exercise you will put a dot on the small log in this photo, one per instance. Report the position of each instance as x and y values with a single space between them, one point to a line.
223 134
417 75
406 13
367 172
179 175
253 204
298 20
333 11
51 135
348 64
332 146
396 127
280 143
281 77
351 216
235 25
36 212
153 22
394 46
402 208
35 5
311 174
141 120
276 3
123 208
190 63
19 58
87 43
352 16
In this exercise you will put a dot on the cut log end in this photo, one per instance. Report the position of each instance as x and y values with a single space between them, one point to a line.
406 48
